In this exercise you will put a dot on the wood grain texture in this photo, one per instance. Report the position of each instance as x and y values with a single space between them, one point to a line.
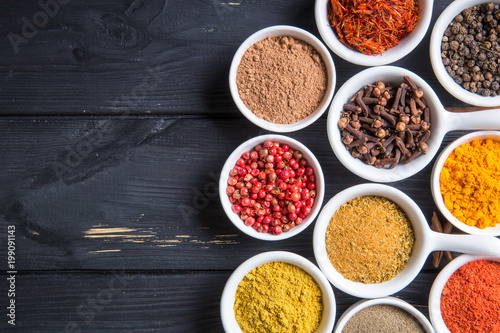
115 121
86 191
161 57
140 301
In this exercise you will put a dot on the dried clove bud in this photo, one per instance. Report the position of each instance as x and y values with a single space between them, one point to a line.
385 137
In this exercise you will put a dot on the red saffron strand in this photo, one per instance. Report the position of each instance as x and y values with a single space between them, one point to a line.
372 26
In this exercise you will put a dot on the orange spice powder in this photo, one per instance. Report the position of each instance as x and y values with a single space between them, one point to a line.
369 239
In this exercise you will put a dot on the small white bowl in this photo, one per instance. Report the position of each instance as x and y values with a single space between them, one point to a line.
426 241
297 33
228 295
362 304
436 186
249 145
444 78
440 282
405 46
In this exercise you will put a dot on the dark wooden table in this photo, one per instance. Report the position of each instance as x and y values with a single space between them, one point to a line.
116 119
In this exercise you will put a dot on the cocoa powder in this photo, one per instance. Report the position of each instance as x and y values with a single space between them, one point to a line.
281 79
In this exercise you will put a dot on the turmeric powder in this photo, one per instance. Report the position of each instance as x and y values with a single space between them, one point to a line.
278 297
470 183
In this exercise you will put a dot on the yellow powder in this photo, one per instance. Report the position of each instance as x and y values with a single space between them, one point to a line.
278 298
470 183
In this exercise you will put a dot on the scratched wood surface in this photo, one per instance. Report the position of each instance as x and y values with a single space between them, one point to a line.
115 120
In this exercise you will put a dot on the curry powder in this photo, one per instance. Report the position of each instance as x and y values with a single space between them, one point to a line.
470 183
369 239
278 297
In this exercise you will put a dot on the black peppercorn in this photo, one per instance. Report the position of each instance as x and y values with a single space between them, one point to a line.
470 51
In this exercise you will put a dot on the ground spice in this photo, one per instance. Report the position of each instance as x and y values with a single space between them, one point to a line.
281 79
383 318
369 239
372 26
469 183
470 301
280 298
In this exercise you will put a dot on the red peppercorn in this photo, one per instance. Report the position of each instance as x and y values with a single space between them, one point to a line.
236 208
245 201
277 230
295 196
271 188
250 221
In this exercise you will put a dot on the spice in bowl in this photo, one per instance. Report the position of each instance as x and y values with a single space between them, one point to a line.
369 239
470 300
278 297
272 188
470 50
469 183
372 26
382 318
282 79
385 125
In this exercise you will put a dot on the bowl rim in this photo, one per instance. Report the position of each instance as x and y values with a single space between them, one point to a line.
417 258
298 33
363 304
358 167
443 77
406 45
439 283
251 143
436 188
228 295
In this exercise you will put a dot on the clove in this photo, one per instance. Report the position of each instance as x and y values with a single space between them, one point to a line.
386 125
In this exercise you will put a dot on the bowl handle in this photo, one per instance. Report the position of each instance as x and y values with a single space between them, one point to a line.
471 244
476 120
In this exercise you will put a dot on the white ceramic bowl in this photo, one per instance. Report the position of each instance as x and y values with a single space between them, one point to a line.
297 33
440 282
436 187
228 295
437 63
442 121
426 241
249 145
362 304
405 46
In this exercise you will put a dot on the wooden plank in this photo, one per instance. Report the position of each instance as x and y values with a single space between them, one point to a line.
156 301
100 193
155 57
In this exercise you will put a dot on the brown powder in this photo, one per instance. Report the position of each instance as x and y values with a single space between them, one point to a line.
281 79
